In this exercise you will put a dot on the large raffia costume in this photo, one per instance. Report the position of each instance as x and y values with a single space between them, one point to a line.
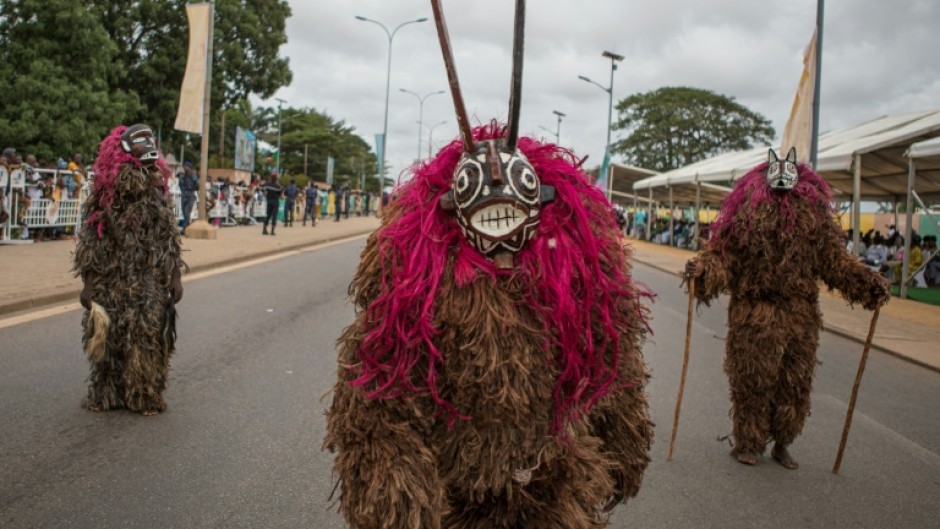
493 377
128 256
775 236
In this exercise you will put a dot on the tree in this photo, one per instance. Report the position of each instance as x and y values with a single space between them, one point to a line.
323 136
153 37
75 68
675 126
55 60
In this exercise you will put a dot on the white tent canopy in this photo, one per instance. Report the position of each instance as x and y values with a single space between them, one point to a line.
879 144
925 149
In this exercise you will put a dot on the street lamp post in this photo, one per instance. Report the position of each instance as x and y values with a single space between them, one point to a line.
614 59
431 134
388 79
277 166
420 112
557 131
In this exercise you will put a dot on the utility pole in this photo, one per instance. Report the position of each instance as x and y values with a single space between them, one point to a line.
222 139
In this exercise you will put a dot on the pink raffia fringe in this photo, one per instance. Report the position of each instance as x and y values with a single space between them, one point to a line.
107 167
574 295
753 191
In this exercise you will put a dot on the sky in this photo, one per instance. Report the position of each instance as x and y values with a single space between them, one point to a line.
879 57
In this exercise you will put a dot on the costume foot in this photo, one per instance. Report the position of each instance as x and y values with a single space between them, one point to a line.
747 458
782 456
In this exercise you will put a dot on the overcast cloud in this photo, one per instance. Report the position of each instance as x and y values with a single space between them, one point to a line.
879 57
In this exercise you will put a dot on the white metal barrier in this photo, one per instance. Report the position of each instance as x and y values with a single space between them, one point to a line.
16 187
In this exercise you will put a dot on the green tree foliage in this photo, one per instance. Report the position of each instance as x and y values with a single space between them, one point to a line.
675 126
153 36
323 136
55 62
81 66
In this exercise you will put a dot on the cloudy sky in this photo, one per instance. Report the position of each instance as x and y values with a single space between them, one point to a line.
879 57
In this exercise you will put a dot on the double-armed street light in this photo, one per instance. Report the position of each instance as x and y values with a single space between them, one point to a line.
614 59
431 134
557 131
388 78
420 112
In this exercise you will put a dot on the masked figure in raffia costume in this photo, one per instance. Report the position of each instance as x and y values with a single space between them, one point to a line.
493 377
775 236
128 256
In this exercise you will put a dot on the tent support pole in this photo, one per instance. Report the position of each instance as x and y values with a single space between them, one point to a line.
908 227
857 204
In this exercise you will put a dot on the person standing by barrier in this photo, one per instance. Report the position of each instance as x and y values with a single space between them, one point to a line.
189 184
272 192
290 198
312 207
339 203
74 181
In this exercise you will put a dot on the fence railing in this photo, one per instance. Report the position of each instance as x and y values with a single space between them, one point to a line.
25 199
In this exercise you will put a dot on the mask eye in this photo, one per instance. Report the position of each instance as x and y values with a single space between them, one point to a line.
524 180
791 168
467 182
773 169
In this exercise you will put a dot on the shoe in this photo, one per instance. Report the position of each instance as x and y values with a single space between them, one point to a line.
264 231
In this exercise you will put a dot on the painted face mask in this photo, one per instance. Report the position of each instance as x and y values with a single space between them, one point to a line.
782 174
495 194
138 141
497 197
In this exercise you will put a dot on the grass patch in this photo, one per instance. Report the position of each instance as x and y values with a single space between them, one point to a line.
924 295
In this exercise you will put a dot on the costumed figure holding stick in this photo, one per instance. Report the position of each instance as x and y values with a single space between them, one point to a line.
493 377
128 255
775 236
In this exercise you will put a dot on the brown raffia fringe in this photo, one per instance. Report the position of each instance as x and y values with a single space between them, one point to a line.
771 274
132 265
400 467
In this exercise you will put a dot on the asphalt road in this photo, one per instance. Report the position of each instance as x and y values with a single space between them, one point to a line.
240 445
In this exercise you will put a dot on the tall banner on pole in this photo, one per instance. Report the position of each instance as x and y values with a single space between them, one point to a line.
330 162
602 181
192 92
245 146
379 155
799 129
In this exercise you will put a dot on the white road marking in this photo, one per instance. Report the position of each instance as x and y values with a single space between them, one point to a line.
69 307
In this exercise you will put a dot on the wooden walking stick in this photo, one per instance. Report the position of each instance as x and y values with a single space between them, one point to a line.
685 368
858 380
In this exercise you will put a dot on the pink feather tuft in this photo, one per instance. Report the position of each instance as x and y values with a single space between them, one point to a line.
574 295
107 167
752 190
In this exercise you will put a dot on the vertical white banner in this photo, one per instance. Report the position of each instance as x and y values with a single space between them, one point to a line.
799 127
329 169
193 90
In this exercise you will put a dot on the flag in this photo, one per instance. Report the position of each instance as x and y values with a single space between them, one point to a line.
330 162
601 182
378 149
193 90
799 127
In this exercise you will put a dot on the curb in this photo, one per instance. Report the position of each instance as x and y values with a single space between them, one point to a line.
72 295
827 328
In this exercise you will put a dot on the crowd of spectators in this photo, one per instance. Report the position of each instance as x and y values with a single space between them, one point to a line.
885 253
44 180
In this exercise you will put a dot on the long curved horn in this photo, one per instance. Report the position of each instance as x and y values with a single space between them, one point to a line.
462 122
515 90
